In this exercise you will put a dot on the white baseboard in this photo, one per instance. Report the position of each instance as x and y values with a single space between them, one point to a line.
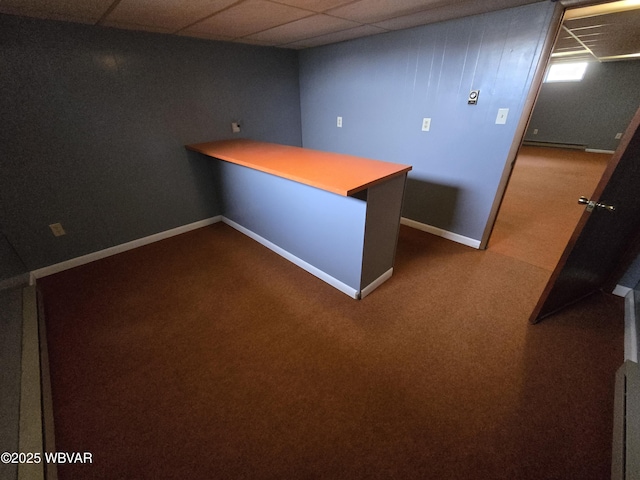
92 257
376 283
343 287
30 423
107 252
536 143
631 320
621 291
470 242
597 150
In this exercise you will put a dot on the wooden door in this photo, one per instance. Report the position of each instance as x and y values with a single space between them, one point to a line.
603 237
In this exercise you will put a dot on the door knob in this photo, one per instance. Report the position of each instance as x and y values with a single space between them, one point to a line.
592 204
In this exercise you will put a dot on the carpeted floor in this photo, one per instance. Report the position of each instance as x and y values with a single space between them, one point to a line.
540 208
206 356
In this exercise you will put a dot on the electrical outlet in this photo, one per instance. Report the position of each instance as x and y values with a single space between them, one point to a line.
57 230
501 119
339 122
535 131
618 136
426 124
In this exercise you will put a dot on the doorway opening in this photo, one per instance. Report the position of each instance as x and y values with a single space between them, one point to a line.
540 211
573 130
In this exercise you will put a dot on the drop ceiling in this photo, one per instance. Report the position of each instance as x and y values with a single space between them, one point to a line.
293 24
604 32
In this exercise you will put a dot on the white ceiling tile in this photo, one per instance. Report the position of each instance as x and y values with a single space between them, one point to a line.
46 16
85 10
248 17
350 34
318 6
135 26
432 15
168 14
292 23
307 27
253 42
371 11
446 12
207 36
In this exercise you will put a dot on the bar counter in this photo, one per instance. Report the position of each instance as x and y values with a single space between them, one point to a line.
333 172
337 216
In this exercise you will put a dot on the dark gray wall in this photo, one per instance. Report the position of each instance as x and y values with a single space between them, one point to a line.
94 123
384 85
10 264
10 375
590 112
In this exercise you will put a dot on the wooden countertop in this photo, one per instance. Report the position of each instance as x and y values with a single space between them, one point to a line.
334 172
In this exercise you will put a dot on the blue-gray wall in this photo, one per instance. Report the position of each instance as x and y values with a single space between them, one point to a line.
384 85
324 229
631 278
590 112
94 123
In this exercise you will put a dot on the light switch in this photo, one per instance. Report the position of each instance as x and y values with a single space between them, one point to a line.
501 119
339 122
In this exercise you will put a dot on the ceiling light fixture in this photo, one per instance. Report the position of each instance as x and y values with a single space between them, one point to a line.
602 9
